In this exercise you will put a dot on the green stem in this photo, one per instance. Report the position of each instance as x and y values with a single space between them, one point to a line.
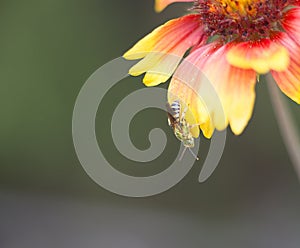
286 124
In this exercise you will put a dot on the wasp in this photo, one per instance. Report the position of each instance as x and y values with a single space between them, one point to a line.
181 128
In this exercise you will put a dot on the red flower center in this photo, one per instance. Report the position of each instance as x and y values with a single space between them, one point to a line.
242 20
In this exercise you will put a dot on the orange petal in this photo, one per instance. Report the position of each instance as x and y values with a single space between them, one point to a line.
289 79
185 86
217 92
163 49
158 40
161 4
291 23
261 56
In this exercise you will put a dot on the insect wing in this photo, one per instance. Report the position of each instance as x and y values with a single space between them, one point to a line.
171 120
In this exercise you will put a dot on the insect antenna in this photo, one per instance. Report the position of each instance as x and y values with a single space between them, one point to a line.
191 151
181 156
194 155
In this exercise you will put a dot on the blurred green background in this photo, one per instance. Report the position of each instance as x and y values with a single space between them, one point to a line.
48 50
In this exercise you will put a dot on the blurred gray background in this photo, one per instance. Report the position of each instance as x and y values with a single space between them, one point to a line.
48 49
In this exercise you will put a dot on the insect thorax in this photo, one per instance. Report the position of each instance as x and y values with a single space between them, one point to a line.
183 133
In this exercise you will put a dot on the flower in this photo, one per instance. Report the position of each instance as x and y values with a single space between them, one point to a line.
229 43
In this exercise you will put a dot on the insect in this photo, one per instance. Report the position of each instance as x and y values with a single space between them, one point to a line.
181 128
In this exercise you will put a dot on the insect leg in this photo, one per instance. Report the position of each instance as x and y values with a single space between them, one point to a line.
194 125
194 155
183 113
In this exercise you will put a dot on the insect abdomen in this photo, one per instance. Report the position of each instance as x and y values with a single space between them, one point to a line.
175 106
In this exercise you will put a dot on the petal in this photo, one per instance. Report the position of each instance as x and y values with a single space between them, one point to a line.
216 92
289 79
295 2
261 56
185 86
161 4
162 37
163 49
291 23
